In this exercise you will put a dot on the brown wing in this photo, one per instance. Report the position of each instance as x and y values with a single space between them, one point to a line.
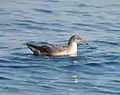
41 50
46 50
59 48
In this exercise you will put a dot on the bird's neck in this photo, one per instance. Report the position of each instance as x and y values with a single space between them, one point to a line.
72 47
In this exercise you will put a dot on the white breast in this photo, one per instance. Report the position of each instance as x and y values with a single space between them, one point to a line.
73 48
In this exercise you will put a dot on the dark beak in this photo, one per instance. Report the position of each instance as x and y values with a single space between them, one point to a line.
85 42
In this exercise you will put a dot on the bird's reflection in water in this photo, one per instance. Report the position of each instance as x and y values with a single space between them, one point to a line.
73 80
73 75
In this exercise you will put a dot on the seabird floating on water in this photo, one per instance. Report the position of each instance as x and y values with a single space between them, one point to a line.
50 50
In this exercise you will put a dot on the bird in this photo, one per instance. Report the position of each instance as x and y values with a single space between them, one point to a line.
55 50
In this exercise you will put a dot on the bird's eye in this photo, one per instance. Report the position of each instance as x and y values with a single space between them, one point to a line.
78 38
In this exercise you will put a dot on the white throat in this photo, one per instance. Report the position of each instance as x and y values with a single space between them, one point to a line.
73 48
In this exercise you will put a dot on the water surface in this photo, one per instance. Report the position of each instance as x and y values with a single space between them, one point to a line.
96 69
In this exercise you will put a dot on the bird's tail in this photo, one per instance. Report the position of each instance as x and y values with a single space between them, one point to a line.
33 48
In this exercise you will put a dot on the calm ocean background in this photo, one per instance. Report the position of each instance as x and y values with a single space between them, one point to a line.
96 69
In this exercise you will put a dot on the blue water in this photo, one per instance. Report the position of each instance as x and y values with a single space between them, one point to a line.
96 69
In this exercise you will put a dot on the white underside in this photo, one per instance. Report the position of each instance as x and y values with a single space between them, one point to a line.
72 55
71 51
73 48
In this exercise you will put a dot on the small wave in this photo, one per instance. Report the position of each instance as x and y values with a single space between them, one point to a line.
82 5
4 78
44 10
52 1
94 64
115 30
18 67
106 42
